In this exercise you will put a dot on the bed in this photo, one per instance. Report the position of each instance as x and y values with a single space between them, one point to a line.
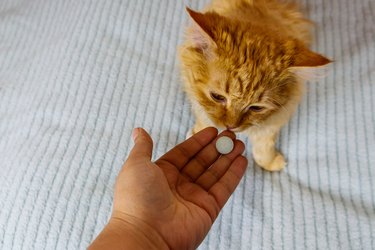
77 76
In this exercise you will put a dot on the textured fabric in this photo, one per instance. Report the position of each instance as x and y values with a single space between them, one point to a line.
77 76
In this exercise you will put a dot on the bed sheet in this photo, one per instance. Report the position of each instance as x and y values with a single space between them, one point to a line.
77 76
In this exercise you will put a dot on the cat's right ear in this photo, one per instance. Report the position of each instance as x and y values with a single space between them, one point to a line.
309 65
202 34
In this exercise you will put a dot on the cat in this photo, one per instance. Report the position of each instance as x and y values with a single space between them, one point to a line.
242 64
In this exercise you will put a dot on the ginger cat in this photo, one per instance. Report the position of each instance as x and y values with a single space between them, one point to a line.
241 64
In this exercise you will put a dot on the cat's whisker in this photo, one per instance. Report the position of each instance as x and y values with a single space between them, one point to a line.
279 86
279 104
256 125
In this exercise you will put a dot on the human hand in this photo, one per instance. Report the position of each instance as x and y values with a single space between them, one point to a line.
173 202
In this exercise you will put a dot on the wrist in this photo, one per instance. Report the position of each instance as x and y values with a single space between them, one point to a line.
127 232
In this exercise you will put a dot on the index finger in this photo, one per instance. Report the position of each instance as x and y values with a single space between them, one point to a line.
180 155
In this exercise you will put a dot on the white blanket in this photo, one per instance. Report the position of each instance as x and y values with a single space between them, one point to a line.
77 76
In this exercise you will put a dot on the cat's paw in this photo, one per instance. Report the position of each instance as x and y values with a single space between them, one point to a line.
277 164
189 133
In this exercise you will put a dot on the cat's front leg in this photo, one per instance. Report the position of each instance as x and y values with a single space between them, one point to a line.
201 120
264 151
198 126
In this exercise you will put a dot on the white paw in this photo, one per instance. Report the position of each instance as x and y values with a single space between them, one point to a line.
277 164
189 133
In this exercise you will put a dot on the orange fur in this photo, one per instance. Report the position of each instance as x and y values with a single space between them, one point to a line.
240 63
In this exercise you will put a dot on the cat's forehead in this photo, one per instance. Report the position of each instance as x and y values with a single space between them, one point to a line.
252 54
238 87
240 78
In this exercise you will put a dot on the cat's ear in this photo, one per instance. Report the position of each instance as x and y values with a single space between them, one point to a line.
310 65
307 58
202 30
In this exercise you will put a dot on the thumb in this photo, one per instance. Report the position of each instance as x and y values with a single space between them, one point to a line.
143 145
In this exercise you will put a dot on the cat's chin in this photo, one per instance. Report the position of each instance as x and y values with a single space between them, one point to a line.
236 130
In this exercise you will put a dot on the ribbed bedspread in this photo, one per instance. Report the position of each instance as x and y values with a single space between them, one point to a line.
77 76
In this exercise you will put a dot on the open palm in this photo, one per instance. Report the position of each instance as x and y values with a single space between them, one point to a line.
179 195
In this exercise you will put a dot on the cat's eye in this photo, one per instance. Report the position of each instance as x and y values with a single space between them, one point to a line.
255 108
218 98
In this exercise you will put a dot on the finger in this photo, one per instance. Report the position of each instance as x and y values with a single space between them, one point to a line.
224 188
219 168
182 153
142 149
204 159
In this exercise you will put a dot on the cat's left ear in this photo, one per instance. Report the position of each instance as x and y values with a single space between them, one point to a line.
309 65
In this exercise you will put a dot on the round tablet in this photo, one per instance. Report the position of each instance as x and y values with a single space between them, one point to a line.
224 145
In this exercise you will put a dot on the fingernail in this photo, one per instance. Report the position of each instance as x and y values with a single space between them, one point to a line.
135 133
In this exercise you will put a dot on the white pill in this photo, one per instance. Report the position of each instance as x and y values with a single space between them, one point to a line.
224 145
